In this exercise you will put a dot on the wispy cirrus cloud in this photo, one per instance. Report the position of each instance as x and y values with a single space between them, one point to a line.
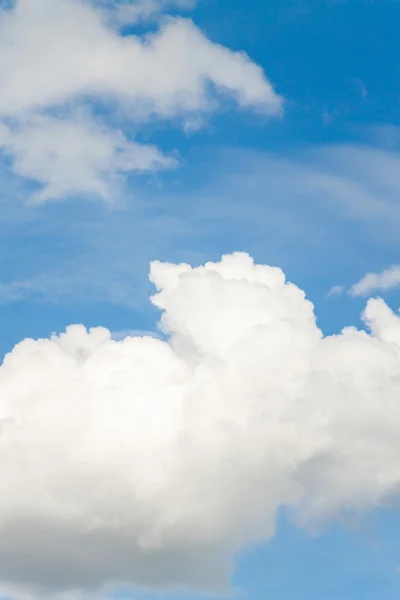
293 209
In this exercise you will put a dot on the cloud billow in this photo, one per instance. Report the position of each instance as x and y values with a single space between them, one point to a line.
151 462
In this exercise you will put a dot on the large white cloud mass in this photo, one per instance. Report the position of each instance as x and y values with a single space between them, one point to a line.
152 462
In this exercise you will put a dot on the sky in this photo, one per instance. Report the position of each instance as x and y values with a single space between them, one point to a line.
199 288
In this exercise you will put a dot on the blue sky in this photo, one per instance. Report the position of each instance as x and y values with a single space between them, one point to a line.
313 190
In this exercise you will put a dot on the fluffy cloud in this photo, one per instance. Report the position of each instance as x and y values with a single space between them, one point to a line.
68 156
79 56
371 283
152 462
377 282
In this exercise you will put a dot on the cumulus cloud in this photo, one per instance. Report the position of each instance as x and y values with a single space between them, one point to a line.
152 462
377 282
79 56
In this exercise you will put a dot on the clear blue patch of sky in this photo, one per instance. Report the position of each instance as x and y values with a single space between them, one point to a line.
357 562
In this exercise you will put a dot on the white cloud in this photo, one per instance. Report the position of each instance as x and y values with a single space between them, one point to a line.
152 462
77 155
79 56
76 54
377 282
